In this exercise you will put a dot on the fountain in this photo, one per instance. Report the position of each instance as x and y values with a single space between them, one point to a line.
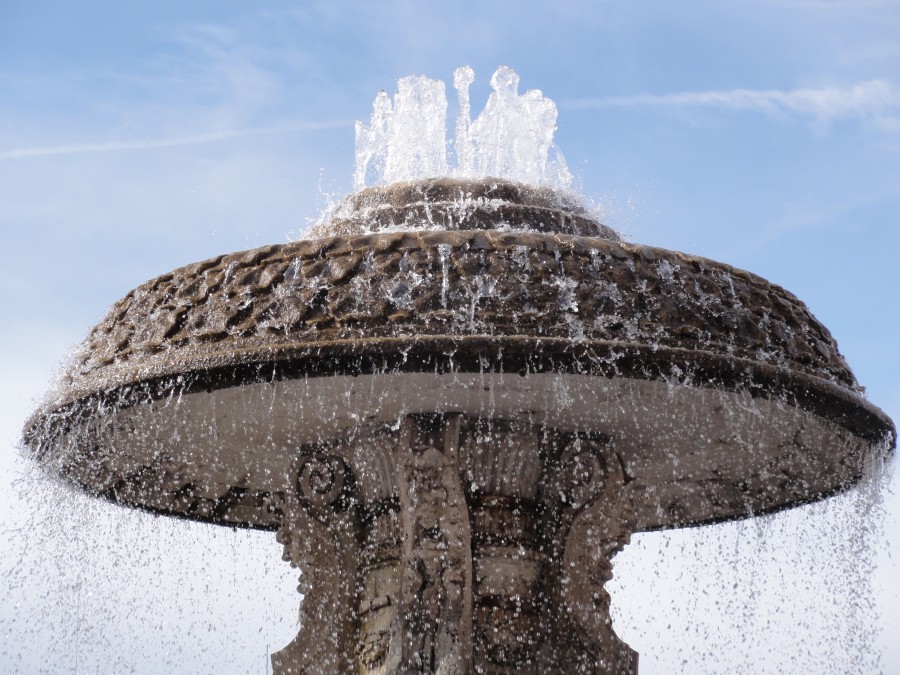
457 399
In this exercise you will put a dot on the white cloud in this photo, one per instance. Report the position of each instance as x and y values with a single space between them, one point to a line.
874 100
115 146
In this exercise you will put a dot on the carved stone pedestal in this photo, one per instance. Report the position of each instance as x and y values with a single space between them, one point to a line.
453 544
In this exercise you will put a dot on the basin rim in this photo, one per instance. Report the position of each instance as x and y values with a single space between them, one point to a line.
208 371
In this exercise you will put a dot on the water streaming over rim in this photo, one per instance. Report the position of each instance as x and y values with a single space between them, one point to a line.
286 385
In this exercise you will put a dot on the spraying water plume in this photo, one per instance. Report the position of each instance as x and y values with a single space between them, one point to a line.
512 138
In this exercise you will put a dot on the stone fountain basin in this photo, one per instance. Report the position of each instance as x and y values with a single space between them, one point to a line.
719 391
697 454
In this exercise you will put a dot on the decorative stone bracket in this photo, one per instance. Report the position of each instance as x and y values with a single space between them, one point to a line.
595 524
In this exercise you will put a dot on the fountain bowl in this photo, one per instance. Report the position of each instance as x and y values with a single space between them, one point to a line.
723 396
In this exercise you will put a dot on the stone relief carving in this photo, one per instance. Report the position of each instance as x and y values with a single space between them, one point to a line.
380 596
595 516
318 532
340 288
433 625
436 575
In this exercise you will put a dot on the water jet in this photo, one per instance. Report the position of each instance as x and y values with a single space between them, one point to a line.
456 400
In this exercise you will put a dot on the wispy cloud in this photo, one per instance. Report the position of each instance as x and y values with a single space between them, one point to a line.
874 100
149 144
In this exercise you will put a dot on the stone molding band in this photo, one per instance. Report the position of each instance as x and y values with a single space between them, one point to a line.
471 353
399 284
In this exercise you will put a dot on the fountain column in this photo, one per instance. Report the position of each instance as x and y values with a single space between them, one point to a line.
432 629
487 552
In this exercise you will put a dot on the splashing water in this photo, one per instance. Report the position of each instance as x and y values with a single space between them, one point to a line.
91 626
512 138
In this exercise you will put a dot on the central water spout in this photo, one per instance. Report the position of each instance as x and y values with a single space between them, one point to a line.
512 138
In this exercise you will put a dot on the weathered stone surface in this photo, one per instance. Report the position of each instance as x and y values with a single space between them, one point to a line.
319 533
432 630
244 307
517 588
456 204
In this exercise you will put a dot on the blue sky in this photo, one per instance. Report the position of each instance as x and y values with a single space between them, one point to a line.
137 137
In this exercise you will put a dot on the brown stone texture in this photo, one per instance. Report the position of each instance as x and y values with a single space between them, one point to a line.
461 561
242 306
